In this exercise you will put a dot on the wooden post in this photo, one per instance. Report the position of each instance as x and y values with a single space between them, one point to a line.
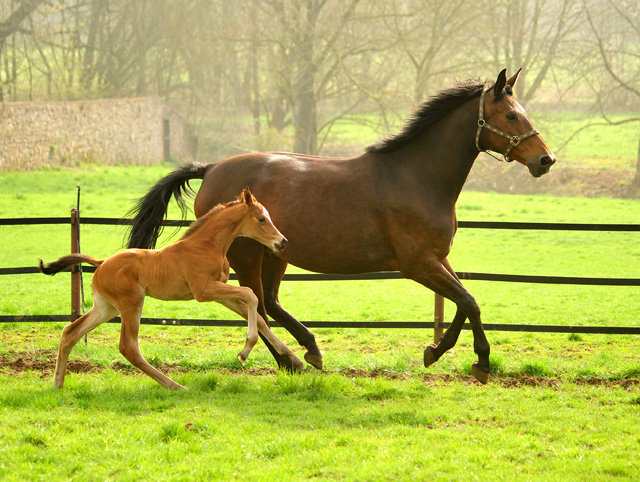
438 317
76 308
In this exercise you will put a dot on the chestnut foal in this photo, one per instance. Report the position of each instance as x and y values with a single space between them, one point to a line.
194 267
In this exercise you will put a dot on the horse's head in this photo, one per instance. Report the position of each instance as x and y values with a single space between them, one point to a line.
504 127
259 225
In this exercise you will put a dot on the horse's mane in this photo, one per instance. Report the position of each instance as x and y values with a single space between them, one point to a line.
193 227
428 113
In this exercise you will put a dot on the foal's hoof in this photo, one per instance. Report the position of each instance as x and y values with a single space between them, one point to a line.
241 358
429 357
297 364
479 374
314 360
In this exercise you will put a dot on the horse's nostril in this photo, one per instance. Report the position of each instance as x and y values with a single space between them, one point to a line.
547 161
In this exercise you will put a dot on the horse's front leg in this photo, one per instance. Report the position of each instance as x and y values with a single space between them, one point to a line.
282 349
438 276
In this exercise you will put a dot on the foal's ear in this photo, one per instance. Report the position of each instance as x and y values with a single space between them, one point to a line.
247 197
513 79
501 81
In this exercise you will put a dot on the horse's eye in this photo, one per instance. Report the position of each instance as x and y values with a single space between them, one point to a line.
512 116
262 220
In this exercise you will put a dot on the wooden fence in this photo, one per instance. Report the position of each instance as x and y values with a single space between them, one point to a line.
438 324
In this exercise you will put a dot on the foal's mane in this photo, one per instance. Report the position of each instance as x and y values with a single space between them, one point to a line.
428 113
194 226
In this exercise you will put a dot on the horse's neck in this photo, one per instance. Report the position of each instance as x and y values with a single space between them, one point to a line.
221 229
444 155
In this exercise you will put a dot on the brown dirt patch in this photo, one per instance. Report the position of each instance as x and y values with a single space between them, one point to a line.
44 361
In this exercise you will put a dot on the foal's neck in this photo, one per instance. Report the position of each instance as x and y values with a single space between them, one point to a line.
223 227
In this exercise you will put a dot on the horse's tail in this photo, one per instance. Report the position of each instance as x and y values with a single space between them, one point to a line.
67 262
151 210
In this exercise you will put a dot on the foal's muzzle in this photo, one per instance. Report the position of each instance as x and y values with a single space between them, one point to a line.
278 247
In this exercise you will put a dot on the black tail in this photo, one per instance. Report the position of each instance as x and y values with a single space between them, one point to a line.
66 262
151 210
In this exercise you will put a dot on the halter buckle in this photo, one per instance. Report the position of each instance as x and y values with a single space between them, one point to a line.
514 141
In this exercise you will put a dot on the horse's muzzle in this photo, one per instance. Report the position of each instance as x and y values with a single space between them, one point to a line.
542 165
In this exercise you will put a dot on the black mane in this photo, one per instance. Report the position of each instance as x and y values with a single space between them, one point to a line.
429 112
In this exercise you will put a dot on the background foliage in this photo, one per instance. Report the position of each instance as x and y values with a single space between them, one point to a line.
279 74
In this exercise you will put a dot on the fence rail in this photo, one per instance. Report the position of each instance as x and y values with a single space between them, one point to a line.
438 324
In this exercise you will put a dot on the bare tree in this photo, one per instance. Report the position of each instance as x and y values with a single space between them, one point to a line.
615 26
12 23
527 34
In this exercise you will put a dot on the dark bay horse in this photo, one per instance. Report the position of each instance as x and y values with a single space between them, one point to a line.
389 209
195 267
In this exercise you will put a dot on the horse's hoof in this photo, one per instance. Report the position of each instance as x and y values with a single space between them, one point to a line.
313 360
479 374
241 358
429 357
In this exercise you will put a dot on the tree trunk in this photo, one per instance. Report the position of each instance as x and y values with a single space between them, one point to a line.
636 179
11 24
304 108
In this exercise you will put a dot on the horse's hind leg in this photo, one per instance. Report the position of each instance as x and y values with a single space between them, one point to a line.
100 312
273 269
130 314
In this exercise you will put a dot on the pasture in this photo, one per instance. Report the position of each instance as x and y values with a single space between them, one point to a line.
559 407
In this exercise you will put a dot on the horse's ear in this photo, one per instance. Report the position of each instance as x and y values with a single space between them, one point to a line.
513 79
247 197
501 81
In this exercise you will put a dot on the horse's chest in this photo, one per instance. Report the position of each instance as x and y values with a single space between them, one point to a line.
423 230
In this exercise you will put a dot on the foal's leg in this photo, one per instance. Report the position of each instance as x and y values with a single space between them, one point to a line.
100 312
437 275
130 312
239 296
282 349
245 256
273 269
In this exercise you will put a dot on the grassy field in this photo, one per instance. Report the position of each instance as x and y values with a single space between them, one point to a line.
559 407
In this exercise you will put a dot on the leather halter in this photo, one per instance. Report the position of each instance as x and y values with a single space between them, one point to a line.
513 140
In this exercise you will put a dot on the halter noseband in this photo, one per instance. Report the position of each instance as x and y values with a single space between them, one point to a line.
513 140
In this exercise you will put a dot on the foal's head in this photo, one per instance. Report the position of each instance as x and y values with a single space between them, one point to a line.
504 127
258 224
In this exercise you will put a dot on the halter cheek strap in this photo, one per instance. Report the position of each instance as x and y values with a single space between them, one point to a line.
513 140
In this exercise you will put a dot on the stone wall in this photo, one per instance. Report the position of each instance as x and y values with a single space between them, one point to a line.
110 131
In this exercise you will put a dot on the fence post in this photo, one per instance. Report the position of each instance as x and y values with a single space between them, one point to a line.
75 272
438 317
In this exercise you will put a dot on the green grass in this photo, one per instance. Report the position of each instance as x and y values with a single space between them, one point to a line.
313 427
560 407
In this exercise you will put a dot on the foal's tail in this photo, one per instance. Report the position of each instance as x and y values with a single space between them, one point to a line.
67 262
151 210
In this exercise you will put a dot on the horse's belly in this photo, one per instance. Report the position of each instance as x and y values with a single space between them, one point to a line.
336 259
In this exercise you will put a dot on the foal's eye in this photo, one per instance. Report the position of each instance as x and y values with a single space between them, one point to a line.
512 116
262 220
